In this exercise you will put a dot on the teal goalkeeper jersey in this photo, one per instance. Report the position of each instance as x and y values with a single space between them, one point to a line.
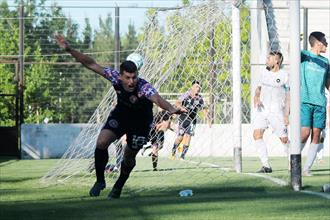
314 74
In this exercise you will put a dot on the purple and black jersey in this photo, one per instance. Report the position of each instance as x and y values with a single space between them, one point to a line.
132 114
134 102
193 105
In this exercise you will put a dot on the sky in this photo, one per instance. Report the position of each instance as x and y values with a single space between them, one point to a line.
93 9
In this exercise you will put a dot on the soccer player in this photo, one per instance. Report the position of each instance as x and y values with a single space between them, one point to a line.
132 116
271 102
315 76
193 102
162 122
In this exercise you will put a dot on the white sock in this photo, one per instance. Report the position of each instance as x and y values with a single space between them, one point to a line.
311 156
262 151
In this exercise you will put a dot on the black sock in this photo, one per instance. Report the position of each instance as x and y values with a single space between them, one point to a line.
101 160
184 151
154 159
124 174
175 146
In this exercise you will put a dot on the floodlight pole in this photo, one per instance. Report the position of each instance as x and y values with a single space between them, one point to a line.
236 68
295 136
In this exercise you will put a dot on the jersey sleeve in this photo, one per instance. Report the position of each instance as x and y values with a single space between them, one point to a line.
111 75
146 89
183 96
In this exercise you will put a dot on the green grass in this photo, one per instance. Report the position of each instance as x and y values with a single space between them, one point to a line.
218 194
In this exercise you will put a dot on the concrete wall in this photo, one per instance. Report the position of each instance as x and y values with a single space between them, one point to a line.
48 140
52 140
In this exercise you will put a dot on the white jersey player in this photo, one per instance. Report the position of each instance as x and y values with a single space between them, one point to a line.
271 102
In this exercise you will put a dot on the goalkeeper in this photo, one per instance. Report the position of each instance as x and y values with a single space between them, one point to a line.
132 115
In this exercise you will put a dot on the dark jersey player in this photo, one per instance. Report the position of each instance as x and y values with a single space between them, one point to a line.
193 102
132 116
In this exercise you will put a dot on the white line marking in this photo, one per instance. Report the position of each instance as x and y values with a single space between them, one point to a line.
272 179
321 194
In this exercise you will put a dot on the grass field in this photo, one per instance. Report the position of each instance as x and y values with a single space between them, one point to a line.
218 194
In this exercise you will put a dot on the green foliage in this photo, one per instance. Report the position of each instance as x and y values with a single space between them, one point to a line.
130 41
70 93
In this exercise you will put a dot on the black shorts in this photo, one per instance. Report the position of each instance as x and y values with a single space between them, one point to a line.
136 127
186 127
157 138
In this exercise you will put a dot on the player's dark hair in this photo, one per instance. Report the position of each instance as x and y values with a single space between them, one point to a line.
195 82
317 36
127 66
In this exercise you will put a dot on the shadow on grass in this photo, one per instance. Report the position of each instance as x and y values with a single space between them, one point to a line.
17 180
175 168
145 205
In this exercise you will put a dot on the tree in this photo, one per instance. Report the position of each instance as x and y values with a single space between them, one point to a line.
130 41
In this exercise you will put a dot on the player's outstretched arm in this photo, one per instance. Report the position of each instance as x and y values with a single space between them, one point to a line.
158 100
85 60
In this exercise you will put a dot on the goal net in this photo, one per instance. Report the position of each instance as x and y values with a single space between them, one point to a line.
179 45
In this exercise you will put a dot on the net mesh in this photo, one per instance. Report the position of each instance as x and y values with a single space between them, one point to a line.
179 46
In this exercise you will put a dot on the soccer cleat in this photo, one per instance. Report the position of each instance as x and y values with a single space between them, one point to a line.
155 169
114 194
96 189
307 173
173 157
265 170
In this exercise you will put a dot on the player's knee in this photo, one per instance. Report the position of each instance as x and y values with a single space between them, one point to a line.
102 144
257 135
178 139
304 136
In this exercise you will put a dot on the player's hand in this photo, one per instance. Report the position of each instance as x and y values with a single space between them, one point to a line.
60 40
286 120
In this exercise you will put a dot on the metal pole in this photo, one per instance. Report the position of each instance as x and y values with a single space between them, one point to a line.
295 139
212 79
117 39
305 29
236 66
21 73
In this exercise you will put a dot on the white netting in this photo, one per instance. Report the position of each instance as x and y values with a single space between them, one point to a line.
179 46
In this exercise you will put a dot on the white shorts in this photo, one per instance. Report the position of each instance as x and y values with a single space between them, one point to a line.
264 119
